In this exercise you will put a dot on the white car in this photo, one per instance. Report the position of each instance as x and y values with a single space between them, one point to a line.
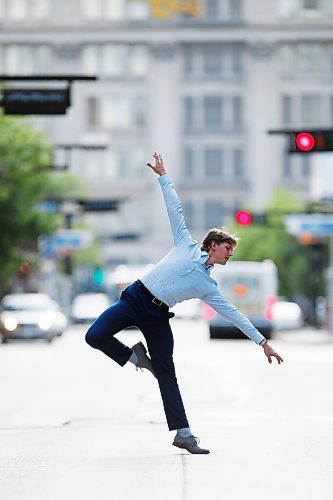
287 316
30 316
188 309
86 307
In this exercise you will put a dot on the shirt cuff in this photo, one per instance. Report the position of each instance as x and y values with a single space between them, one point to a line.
164 179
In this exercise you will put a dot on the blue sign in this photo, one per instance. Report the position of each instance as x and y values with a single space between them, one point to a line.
318 225
64 240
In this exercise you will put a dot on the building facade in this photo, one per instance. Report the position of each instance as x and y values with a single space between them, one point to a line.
203 90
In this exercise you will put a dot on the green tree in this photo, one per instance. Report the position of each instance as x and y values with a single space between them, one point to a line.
25 181
296 262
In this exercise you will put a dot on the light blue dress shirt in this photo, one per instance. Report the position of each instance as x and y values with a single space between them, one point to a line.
182 274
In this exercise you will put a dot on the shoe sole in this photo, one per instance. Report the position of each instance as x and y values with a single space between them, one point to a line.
192 452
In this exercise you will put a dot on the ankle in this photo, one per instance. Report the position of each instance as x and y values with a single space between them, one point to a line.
184 432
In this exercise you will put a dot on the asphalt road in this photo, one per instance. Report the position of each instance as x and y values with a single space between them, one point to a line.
75 426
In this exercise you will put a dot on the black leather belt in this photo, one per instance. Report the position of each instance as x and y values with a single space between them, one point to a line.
157 302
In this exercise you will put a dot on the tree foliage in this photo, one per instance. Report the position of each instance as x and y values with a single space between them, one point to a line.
25 181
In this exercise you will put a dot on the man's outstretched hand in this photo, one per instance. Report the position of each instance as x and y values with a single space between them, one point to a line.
159 166
270 353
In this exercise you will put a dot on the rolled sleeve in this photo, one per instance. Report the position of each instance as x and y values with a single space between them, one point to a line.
229 312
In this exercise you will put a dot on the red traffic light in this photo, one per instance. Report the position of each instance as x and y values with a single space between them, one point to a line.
305 141
243 218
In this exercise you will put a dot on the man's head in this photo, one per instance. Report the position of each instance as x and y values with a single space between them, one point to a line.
220 246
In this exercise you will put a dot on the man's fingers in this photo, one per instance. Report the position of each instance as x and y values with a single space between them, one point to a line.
149 165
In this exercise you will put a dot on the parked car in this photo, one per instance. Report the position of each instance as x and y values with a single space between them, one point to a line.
86 307
30 316
287 315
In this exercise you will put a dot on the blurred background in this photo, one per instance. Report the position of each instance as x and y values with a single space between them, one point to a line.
90 88
237 96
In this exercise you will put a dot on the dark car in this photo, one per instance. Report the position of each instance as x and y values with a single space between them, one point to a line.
30 316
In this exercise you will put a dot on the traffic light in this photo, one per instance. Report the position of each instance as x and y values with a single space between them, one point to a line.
246 218
99 276
243 218
305 141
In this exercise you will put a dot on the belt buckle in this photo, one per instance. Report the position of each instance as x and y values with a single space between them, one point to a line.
156 304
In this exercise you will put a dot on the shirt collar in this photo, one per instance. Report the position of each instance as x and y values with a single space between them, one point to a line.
204 258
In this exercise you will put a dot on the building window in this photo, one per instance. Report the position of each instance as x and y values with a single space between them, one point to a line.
27 59
286 110
115 60
115 9
18 59
42 59
238 164
137 9
236 61
286 167
305 159
103 9
212 59
213 213
212 10
92 114
189 113
188 208
212 113
311 110
188 163
310 57
237 112
213 162
122 113
189 60
235 9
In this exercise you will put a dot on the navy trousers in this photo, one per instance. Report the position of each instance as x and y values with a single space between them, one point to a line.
134 308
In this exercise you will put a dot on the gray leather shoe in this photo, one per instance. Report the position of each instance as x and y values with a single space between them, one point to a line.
143 360
190 444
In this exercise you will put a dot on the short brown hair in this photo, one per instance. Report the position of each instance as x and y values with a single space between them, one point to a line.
219 236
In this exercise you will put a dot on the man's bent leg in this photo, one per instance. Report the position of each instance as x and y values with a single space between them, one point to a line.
101 333
159 339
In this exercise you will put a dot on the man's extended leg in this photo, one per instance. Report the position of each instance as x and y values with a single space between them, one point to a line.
159 339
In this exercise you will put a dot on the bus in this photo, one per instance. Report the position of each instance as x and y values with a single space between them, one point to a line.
252 287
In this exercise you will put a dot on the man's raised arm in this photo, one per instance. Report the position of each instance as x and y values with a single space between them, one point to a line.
178 227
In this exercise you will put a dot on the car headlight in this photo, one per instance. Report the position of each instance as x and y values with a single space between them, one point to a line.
46 322
10 323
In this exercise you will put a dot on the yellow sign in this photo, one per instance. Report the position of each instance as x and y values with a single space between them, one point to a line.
165 9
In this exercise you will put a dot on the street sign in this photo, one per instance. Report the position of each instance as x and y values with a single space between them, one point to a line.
64 241
35 101
318 225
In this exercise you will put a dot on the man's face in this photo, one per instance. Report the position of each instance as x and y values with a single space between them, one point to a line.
222 252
